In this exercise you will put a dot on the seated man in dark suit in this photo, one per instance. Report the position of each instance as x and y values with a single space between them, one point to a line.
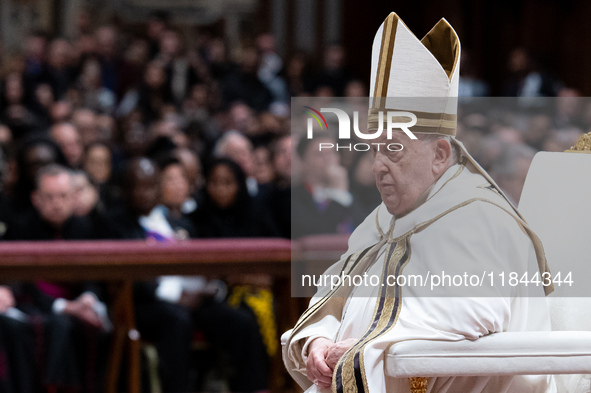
73 316
52 217
322 203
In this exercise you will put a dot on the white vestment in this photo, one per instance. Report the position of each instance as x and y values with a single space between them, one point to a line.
463 220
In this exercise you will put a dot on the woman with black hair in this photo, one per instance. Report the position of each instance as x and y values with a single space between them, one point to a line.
153 93
227 209
19 111
243 327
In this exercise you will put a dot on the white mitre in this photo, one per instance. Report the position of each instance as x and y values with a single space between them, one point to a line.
421 76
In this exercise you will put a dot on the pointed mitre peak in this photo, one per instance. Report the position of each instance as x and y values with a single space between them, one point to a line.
404 66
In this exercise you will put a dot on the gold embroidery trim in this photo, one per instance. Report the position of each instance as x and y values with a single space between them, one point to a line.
444 44
348 359
434 126
418 384
346 363
303 318
532 235
583 144
386 50
460 169
378 226
390 298
421 121
367 253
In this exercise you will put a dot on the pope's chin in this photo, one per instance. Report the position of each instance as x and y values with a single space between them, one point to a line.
392 203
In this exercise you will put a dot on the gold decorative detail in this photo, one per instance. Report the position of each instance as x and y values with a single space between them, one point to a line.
583 144
397 256
418 384
260 301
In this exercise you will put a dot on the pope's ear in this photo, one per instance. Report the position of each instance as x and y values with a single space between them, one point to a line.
442 155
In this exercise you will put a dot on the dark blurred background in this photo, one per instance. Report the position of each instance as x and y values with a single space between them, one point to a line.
555 33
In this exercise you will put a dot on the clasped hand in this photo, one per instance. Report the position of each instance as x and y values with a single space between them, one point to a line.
6 299
83 309
323 356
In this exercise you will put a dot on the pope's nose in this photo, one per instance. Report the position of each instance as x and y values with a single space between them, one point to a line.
378 164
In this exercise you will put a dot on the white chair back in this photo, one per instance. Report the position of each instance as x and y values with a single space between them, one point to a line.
556 203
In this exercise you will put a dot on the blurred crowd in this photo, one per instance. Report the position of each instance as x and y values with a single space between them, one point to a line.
120 133
94 101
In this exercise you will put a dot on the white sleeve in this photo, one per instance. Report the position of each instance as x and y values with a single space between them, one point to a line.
365 235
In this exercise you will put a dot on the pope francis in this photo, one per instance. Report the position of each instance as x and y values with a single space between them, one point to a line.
440 208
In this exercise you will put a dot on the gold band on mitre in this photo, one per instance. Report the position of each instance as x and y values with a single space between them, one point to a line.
427 122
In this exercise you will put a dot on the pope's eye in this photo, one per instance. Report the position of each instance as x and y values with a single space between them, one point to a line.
394 155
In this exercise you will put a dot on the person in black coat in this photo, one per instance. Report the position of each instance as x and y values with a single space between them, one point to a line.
165 324
278 196
17 346
323 204
59 73
227 210
153 92
244 84
74 320
34 152
168 321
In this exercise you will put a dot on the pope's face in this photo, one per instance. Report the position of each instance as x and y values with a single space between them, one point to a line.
402 177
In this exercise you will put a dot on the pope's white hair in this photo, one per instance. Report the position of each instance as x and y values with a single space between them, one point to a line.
454 157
